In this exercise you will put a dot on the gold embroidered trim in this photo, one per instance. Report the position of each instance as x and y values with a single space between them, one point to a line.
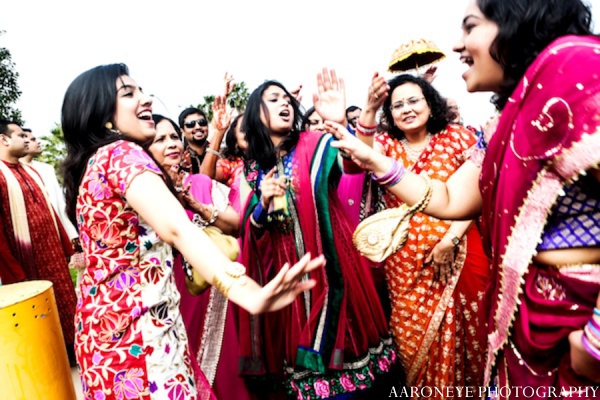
438 316
209 351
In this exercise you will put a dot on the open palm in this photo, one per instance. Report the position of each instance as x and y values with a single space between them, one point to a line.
330 101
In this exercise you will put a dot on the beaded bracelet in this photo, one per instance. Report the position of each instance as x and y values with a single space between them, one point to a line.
198 220
594 352
366 130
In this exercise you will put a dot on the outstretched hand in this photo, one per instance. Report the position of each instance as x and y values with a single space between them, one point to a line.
364 156
287 285
330 101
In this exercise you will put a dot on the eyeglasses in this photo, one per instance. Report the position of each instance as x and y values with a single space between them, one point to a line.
399 105
191 124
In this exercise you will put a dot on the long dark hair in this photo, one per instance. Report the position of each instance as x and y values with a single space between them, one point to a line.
89 103
440 116
525 28
260 146
232 150
157 118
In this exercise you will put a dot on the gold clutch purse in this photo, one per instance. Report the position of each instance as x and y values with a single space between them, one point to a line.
194 282
384 233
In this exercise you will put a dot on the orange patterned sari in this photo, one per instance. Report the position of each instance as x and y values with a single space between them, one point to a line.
437 327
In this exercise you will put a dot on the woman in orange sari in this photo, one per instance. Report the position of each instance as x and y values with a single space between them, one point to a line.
436 281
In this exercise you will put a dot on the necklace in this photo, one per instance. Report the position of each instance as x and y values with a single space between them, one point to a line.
411 152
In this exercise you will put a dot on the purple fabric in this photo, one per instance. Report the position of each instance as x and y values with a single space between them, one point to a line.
575 219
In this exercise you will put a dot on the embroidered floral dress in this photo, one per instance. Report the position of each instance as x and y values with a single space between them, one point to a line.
130 339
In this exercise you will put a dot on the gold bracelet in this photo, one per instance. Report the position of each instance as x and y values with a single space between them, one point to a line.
231 273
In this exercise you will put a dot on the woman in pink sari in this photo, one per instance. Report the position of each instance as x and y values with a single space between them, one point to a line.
333 341
535 184
208 318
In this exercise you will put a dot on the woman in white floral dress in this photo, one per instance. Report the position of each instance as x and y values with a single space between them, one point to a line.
130 338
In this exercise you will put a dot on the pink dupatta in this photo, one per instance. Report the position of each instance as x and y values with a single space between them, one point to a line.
548 134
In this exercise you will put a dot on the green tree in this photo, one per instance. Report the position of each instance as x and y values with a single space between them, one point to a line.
54 149
236 100
9 87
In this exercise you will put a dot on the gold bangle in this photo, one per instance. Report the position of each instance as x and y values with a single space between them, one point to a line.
226 278
223 283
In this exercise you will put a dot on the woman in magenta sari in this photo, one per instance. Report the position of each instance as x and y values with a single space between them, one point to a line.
534 180
208 318
335 340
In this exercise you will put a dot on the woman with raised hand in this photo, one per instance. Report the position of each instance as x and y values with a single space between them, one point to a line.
334 340
437 280
130 339
535 185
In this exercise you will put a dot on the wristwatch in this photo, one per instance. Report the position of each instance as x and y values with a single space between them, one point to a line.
455 239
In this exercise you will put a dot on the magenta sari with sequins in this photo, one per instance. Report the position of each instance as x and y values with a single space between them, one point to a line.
548 134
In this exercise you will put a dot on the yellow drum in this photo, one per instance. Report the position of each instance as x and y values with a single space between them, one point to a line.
33 358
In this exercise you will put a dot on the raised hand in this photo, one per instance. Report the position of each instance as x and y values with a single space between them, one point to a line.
330 101
221 117
378 92
430 74
287 285
229 84
296 93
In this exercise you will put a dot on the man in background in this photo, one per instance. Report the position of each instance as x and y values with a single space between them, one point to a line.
55 191
33 242
352 116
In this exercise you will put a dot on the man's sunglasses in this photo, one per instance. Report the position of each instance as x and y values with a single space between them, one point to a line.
191 124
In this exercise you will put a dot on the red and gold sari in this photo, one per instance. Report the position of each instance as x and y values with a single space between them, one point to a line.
437 327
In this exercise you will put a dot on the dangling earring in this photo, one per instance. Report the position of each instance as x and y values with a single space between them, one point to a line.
109 126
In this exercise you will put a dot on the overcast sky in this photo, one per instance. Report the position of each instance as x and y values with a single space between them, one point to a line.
180 50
